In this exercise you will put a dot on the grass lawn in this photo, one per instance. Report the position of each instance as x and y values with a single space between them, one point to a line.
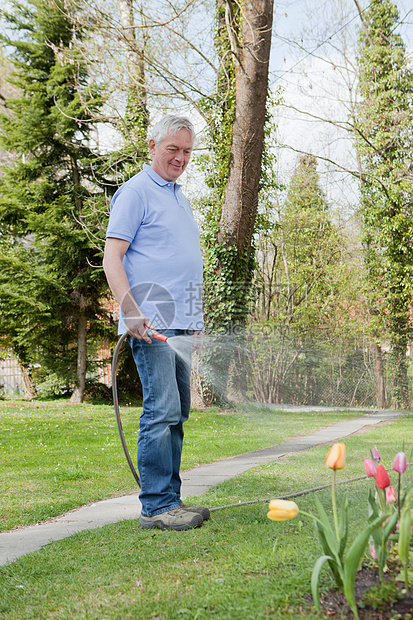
55 456
238 566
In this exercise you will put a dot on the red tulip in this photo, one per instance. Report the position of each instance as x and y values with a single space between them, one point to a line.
370 467
382 477
400 463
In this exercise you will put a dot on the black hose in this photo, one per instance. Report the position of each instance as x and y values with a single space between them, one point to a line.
116 405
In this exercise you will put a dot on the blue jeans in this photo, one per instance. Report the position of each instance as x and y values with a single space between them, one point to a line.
165 379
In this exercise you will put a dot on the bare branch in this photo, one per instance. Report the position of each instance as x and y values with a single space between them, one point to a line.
345 125
363 23
232 33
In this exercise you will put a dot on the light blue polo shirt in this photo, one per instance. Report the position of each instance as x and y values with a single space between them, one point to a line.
163 262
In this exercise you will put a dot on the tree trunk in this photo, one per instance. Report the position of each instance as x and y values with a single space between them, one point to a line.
29 385
252 53
79 391
379 375
135 55
398 361
248 28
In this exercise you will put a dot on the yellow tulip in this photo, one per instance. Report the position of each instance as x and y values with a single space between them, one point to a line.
282 510
336 458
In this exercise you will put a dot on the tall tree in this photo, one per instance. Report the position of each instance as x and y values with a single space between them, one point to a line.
243 43
384 126
48 193
309 246
236 118
18 304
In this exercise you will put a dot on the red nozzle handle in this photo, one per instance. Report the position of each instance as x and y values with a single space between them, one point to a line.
152 333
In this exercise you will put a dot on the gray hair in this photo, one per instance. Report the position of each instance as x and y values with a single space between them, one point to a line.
170 125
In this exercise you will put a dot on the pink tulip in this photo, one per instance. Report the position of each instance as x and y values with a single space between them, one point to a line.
400 463
373 552
390 494
370 468
376 455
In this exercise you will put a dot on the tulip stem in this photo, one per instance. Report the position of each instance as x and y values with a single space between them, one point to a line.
398 495
382 495
308 514
333 493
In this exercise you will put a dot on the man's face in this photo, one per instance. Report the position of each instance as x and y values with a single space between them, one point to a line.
171 156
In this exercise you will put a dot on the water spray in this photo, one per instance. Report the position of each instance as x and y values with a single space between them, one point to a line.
183 346
152 333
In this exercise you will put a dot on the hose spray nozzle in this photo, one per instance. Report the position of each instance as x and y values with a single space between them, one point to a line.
152 333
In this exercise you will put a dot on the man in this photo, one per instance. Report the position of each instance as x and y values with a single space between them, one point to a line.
153 265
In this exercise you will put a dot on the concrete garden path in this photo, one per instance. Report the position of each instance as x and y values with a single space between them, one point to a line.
197 481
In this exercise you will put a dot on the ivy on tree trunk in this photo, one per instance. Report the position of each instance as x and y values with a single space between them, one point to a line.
237 131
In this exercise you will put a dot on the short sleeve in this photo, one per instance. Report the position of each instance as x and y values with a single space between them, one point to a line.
126 215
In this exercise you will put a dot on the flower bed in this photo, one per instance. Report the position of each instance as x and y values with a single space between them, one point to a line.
388 530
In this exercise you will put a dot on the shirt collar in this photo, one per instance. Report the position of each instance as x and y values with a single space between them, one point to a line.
158 179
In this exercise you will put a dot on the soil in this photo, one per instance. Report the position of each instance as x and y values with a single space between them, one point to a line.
334 604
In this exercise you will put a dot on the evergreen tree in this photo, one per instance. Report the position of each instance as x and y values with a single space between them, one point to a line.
49 193
308 245
301 273
384 129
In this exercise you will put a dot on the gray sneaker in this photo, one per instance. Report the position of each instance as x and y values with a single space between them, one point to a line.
176 519
201 510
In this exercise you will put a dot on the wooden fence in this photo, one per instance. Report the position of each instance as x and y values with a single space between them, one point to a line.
11 379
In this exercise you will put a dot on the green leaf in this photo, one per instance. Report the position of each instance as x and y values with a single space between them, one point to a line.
315 578
328 530
402 576
335 568
352 559
390 525
405 534
373 512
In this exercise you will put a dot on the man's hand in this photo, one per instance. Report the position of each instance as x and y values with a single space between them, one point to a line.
137 323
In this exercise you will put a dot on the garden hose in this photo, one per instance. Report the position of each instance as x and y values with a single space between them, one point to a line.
153 334
116 405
